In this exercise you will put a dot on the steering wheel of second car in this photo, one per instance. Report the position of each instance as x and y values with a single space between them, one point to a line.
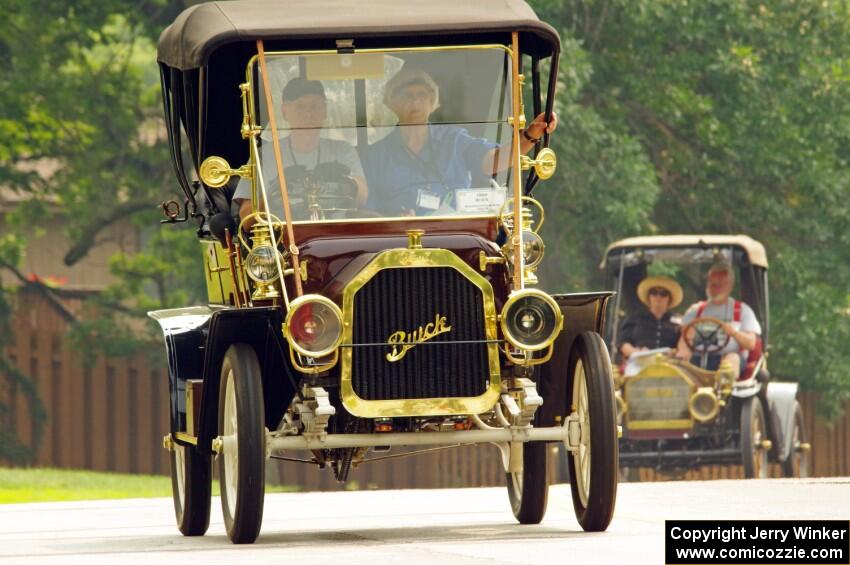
705 334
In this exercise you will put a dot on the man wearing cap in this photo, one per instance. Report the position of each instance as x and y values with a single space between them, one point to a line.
415 169
739 321
652 328
303 150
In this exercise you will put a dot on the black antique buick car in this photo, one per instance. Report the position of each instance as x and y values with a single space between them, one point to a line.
370 261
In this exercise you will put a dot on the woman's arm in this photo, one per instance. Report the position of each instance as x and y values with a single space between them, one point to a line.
535 130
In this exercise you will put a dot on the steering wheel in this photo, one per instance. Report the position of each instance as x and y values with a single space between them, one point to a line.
705 333
327 188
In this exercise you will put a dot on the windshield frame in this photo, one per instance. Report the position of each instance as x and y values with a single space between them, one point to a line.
251 124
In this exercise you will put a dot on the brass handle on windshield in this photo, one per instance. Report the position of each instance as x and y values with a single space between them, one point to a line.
216 171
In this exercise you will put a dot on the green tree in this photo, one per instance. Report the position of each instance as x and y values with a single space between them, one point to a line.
741 111
82 143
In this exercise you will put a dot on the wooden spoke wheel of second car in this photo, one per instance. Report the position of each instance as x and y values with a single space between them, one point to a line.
754 442
593 465
241 425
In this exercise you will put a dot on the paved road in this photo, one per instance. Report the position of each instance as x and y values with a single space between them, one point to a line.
425 526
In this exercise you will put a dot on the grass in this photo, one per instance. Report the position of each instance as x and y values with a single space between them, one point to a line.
52 485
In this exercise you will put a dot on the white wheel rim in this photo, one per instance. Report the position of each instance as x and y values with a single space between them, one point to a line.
516 479
180 473
581 456
231 440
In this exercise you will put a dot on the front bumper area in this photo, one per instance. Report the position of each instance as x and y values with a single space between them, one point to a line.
465 437
680 457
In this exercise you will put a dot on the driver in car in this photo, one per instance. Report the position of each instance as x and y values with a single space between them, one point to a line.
414 170
738 322
303 152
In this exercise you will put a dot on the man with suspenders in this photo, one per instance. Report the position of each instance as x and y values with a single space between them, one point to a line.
739 322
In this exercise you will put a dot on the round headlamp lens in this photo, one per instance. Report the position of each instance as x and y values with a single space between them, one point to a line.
261 265
704 405
531 320
532 248
315 327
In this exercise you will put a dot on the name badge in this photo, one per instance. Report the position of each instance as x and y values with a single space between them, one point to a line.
480 200
428 200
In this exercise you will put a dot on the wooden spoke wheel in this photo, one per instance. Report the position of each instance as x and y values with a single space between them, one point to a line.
754 444
191 485
241 425
594 464
528 489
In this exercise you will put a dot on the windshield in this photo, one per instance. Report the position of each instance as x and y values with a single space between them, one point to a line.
385 134
683 267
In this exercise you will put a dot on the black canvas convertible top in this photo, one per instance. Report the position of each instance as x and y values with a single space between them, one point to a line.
200 30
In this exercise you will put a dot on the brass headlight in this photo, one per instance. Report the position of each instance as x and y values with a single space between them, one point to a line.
531 320
532 249
261 265
313 325
703 404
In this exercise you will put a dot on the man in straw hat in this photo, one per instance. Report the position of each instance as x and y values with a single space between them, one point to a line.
652 328
739 321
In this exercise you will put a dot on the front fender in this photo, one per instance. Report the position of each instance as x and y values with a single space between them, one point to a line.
781 400
261 329
185 331
583 312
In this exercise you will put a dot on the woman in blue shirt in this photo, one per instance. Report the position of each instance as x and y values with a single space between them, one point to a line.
415 169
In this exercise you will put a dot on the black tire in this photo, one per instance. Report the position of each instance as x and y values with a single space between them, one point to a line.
528 490
753 432
242 478
191 488
593 503
799 461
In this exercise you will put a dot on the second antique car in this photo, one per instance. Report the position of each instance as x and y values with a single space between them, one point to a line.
370 260
681 414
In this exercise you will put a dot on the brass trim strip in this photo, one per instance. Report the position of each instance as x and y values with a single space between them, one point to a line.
660 425
183 436
433 48
284 193
516 95
401 219
407 259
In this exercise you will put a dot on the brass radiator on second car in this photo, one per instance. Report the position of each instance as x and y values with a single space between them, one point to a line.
658 402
